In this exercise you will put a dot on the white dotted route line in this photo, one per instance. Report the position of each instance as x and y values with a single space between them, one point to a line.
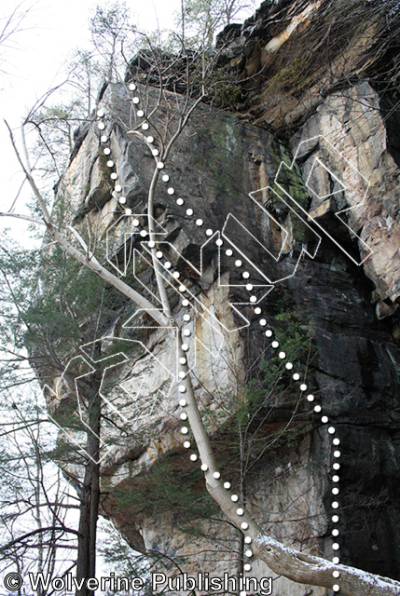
186 332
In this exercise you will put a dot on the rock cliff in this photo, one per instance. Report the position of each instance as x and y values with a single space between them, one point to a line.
296 171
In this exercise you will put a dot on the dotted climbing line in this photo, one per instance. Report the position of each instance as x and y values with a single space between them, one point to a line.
186 333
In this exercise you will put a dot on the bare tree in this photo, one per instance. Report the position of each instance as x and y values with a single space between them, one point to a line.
10 26
36 537
295 565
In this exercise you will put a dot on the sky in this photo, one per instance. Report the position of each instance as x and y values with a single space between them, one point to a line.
32 60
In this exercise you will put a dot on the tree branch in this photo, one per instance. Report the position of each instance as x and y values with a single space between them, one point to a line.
34 533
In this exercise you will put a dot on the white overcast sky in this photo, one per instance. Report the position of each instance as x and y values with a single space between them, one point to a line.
32 60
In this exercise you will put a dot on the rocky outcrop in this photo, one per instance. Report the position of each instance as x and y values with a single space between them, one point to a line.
275 201
290 56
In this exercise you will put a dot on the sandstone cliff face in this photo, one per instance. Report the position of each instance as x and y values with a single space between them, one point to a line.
275 201
291 55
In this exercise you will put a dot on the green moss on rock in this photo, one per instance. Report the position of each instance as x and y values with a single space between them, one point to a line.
290 183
